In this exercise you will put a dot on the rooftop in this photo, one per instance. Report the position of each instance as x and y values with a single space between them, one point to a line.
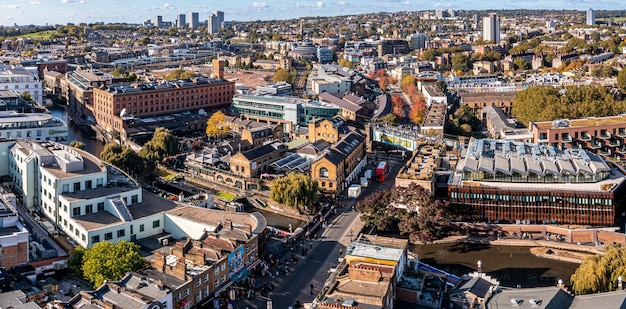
580 123
360 249
548 298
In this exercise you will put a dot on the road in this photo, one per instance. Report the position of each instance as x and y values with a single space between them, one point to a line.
312 269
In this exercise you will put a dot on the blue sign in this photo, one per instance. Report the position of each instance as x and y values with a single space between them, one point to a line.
235 261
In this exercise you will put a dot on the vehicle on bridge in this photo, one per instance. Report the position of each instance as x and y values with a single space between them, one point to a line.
382 171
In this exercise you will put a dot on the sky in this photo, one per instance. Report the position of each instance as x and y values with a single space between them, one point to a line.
40 12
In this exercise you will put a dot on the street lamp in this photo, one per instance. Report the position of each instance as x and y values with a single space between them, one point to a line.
480 266
350 234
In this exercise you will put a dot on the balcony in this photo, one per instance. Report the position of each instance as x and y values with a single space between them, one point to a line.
614 143
566 139
596 144
621 133
585 137
605 135
622 150
606 152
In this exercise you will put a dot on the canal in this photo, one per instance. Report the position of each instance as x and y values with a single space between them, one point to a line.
512 266
74 133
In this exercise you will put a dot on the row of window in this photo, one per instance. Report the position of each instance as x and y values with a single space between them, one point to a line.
122 232
582 201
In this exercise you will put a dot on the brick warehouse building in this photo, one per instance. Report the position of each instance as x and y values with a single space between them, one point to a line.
154 99
522 182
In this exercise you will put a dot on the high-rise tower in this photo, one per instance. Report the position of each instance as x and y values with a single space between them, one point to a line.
491 28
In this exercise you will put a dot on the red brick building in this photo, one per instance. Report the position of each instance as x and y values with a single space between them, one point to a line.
139 100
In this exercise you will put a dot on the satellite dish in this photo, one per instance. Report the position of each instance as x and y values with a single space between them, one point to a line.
123 112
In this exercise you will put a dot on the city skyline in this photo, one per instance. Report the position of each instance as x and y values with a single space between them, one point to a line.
40 12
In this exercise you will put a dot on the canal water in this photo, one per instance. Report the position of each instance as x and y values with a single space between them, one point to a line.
512 266
74 133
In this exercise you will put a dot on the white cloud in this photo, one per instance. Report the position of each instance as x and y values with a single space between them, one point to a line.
34 2
260 5
67 1
10 6
341 2
168 6
319 4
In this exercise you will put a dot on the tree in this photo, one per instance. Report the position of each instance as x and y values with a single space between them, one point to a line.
520 64
163 144
621 80
345 63
406 81
383 83
295 190
215 126
390 119
180 74
546 103
106 261
418 109
26 96
411 209
77 144
125 158
599 273
145 41
282 75
398 106
460 62
119 72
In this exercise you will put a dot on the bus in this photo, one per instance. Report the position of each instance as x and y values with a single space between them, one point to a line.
381 171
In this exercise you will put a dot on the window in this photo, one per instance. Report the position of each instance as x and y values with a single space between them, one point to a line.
121 233
71 228
64 208
141 228
324 172
83 237
206 278
66 188
186 293
134 199
217 282
199 295
76 186
156 223
199 282
99 182
100 206
95 239
88 209
76 211
217 271
88 184
223 278
223 266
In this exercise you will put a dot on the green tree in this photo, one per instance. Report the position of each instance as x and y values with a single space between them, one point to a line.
282 75
520 64
296 190
180 74
390 119
26 96
163 144
215 126
77 144
621 80
125 158
546 103
106 261
119 72
145 41
460 62
599 273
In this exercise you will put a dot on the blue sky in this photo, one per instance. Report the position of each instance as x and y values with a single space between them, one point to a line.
63 11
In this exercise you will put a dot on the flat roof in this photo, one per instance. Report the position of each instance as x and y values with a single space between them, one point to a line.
214 217
582 122
360 249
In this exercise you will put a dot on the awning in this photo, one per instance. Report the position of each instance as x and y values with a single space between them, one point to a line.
242 274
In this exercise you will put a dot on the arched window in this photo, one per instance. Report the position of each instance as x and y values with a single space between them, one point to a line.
324 172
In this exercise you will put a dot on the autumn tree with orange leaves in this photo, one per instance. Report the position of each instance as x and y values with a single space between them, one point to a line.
398 106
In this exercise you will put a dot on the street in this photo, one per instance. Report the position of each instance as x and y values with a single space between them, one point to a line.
313 268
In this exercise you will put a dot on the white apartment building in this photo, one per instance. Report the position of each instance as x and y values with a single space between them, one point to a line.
20 80
82 196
